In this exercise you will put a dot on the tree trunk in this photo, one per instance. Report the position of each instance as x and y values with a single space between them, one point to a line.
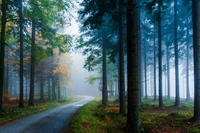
6 76
160 55
177 95
21 98
168 73
140 49
41 88
26 88
58 90
188 98
31 95
196 45
3 32
121 59
145 71
49 88
155 93
133 118
53 88
104 90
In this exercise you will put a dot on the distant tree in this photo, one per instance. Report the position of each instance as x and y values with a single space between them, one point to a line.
196 45
154 64
133 117
168 71
145 70
104 14
188 97
41 87
155 9
160 54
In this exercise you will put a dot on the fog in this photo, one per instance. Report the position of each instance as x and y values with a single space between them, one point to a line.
78 78
78 73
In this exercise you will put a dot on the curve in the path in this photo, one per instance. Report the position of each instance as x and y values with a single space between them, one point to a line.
49 121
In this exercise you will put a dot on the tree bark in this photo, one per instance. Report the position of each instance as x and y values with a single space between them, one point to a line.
133 118
160 55
177 97
6 69
53 88
58 90
155 93
121 59
49 88
41 87
188 97
104 74
196 47
2 48
31 95
145 71
21 98
168 73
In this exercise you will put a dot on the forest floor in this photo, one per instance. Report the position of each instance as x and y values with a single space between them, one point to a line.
12 112
93 117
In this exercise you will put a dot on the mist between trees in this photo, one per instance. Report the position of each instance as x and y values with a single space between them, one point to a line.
137 47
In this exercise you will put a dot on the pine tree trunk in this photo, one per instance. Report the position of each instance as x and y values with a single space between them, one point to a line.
168 73
121 59
53 88
160 55
155 93
145 71
133 118
188 98
140 49
49 88
6 76
26 88
21 98
177 95
31 95
3 31
104 90
58 90
196 45
41 88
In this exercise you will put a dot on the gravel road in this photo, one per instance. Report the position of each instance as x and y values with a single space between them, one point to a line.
51 121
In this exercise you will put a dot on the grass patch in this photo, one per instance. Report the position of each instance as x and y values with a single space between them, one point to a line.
169 119
12 112
93 117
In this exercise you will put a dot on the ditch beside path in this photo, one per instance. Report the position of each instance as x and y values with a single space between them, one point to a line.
50 121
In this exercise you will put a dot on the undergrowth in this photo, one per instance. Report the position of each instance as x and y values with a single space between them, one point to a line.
11 111
94 118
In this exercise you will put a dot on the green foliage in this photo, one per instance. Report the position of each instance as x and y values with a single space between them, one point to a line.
195 130
92 79
152 8
112 80
99 29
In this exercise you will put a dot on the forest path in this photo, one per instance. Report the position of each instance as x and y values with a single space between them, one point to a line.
50 121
